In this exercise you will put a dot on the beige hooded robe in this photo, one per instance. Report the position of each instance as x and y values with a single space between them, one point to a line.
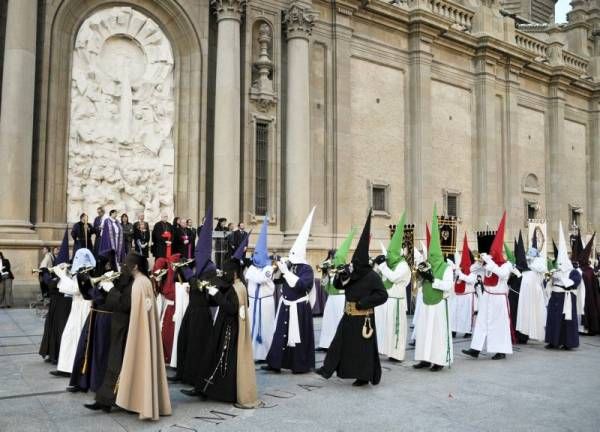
246 374
142 385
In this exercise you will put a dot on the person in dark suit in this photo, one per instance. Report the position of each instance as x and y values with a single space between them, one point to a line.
6 278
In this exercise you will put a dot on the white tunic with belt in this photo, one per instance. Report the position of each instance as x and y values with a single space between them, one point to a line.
531 312
261 310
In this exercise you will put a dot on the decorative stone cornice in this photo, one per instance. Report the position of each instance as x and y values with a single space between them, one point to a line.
228 9
298 22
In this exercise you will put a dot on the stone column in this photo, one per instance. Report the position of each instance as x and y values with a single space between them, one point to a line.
227 164
487 175
556 200
16 115
298 21
594 193
419 186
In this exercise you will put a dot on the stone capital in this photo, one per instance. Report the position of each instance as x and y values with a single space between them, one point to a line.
228 9
298 22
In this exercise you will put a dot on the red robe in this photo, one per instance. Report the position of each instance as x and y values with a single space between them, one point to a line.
167 289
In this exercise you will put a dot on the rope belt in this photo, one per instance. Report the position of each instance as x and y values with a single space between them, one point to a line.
294 322
567 304
350 309
397 319
257 304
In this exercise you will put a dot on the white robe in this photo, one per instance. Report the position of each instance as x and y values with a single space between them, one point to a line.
418 307
332 315
182 299
261 310
492 327
80 309
393 329
433 337
463 306
531 312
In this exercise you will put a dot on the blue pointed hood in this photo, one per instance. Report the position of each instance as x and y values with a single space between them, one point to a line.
260 257
240 252
63 253
203 251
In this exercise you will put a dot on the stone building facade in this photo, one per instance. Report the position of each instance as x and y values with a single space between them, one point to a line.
260 107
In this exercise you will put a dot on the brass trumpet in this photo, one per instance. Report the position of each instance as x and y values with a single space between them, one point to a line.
106 277
204 285
182 263
159 274
52 269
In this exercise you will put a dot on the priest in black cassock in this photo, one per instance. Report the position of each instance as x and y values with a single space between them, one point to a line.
97 227
58 310
353 352
82 234
118 301
162 235
293 345
196 325
141 236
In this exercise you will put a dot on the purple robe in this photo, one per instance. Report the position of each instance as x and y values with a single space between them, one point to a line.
112 240
559 331
301 357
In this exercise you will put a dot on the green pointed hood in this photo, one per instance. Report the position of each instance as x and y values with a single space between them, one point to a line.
509 254
342 252
432 296
394 250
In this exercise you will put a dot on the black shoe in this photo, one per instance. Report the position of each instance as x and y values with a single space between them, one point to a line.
173 379
412 343
321 371
74 389
499 356
436 368
270 369
360 383
393 360
467 335
550 347
422 365
191 392
47 360
471 352
453 334
565 348
57 373
98 406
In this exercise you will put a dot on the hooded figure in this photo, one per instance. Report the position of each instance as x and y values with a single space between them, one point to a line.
293 345
80 308
334 307
464 303
261 296
353 352
196 324
492 328
166 313
514 282
419 257
561 323
531 311
433 337
396 276
111 239
591 316
58 309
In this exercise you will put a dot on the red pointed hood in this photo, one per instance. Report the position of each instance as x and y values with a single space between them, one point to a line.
427 235
497 249
465 266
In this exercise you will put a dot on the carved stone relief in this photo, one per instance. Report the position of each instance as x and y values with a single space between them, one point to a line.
121 152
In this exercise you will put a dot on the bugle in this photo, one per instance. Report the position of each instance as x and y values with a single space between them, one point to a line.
106 277
182 263
52 269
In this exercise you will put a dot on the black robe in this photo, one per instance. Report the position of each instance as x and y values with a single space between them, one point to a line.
179 246
56 319
118 301
127 237
159 245
81 238
514 284
91 356
559 331
591 318
218 368
97 227
141 237
194 335
191 232
350 354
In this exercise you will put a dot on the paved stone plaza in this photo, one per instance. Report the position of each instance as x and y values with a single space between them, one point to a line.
533 390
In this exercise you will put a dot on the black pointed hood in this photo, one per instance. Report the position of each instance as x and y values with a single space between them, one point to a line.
360 259
584 257
521 255
555 249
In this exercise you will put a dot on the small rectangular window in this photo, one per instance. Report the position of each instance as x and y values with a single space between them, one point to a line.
531 211
379 199
575 215
261 176
452 206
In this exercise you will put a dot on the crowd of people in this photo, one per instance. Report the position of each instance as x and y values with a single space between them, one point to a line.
123 330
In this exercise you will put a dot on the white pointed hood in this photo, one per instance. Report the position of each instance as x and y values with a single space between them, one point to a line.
298 250
563 262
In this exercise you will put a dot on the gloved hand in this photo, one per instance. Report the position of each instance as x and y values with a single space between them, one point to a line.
282 266
451 264
426 275
379 259
344 272
486 258
212 290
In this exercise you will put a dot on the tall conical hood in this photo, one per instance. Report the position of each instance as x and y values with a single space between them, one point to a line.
240 252
260 257
298 250
63 252
203 251
563 262
360 259
435 256
509 254
555 249
465 266
498 243
584 257
341 254
521 255
394 250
